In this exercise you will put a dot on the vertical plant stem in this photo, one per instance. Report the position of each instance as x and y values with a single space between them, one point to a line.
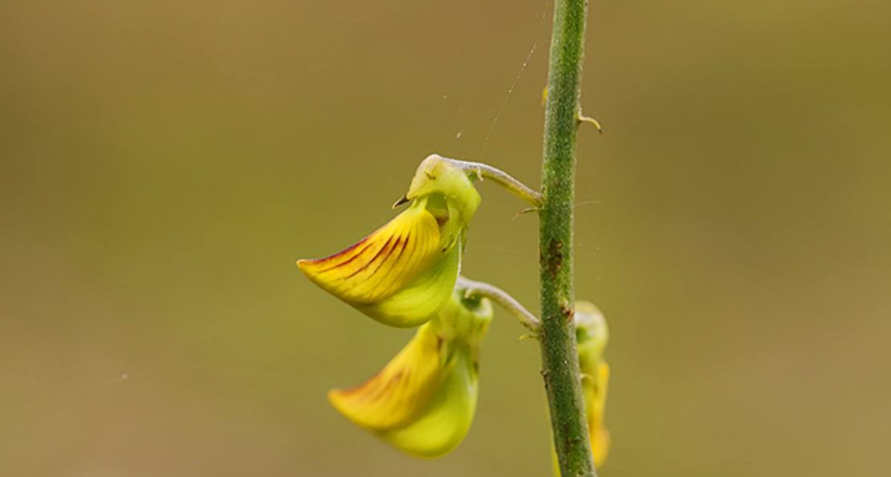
560 365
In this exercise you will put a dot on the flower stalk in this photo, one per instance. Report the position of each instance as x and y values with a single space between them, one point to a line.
510 304
515 187
557 337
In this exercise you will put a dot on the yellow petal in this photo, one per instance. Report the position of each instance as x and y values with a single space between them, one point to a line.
423 401
595 402
401 274
422 297
593 335
381 263
400 391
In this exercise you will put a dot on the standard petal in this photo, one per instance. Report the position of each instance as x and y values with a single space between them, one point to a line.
422 298
401 274
400 391
382 263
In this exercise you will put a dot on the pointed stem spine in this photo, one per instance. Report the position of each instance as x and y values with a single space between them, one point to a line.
515 187
509 303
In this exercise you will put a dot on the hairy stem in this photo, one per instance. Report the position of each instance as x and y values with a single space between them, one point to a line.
560 364
501 178
509 303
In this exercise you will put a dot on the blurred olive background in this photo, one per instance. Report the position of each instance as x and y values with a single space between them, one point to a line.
162 165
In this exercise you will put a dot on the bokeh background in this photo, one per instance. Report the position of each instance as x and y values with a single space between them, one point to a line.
163 163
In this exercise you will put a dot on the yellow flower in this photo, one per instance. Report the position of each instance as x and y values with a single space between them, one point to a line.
423 401
592 335
403 273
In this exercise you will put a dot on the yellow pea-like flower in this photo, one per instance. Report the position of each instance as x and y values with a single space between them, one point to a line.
423 401
404 272
593 335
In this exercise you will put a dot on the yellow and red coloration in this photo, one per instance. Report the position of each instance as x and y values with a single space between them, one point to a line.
404 272
404 275
423 401
396 394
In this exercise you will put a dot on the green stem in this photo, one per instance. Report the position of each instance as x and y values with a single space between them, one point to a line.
560 365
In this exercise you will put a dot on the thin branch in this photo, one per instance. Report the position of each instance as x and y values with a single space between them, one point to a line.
509 303
515 187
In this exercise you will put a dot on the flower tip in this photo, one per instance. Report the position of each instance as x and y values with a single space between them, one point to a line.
304 265
335 398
